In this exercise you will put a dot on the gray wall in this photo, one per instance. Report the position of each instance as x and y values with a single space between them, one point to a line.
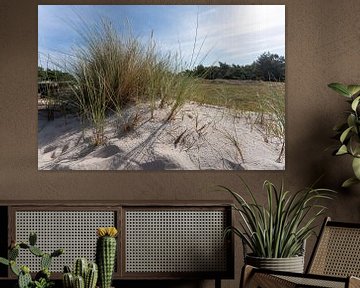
322 46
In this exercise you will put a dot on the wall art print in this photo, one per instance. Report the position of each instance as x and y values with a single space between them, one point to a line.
161 87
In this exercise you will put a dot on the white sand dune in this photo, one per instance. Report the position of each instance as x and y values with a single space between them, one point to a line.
200 137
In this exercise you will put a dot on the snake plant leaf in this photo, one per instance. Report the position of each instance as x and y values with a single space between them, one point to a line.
340 88
353 89
345 134
356 167
342 150
349 182
355 103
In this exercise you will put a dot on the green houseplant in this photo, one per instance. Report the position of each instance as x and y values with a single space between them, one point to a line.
275 233
348 132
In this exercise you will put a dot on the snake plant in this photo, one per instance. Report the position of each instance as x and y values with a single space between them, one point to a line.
279 228
349 131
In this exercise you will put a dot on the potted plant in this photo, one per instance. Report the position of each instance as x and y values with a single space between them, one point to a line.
349 131
276 233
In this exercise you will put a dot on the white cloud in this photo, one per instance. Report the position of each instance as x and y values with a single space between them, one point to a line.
230 31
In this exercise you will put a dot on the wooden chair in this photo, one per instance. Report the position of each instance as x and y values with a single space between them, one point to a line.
335 262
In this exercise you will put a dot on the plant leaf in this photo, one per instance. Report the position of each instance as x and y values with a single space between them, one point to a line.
355 103
351 120
345 134
340 88
353 89
349 182
356 167
342 150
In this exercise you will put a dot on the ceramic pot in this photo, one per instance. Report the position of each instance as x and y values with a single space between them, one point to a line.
291 264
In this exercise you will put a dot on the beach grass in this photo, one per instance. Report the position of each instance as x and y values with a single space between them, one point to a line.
113 70
240 95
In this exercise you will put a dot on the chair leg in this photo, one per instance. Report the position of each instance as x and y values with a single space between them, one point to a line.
246 274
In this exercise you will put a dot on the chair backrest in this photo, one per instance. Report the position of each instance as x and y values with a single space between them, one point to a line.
337 251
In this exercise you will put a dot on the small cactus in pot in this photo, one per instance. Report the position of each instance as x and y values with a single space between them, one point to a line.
106 254
85 275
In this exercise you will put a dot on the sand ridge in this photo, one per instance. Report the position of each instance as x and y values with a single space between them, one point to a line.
199 137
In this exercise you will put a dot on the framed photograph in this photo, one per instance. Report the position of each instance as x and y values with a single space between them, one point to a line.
161 87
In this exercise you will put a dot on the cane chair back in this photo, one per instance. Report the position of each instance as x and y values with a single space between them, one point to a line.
337 252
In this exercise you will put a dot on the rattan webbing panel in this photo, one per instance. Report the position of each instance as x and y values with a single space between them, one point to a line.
175 241
313 282
75 231
338 253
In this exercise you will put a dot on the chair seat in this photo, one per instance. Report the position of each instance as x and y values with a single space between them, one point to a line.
267 279
315 282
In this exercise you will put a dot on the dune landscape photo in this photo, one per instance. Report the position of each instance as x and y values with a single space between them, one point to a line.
161 87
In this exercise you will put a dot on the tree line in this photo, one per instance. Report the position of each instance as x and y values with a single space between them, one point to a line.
267 67
53 75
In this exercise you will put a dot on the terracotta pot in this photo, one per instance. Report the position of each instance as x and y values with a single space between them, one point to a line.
291 264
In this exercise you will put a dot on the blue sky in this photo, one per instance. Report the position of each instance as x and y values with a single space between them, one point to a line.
235 34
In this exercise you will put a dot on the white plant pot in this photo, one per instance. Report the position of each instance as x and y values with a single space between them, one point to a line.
291 264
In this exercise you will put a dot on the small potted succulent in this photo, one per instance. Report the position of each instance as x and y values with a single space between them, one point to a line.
348 132
275 233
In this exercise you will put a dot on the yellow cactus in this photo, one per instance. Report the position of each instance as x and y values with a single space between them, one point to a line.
106 231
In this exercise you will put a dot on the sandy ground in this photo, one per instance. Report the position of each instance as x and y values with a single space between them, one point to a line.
200 137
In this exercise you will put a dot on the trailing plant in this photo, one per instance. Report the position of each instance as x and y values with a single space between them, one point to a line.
84 275
280 228
42 278
349 131
106 254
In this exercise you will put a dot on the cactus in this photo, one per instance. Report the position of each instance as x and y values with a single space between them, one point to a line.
36 251
13 253
4 261
68 280
79 282
91 276
24 280
23 273
32 239
44 273
80 267
87 272
14 268
105 254
45 261
57 252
